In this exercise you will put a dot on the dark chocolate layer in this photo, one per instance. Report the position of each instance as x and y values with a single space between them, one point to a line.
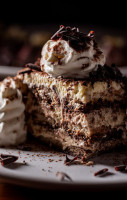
111 134
95 105
47 102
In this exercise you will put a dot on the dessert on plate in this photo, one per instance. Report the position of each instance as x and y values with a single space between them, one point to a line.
72 99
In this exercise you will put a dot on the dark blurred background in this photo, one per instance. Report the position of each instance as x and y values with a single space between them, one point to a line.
25 28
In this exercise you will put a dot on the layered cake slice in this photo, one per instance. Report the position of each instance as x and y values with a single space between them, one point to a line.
69 97
74 101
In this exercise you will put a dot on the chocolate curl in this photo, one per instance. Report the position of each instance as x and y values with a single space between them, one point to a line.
120 168
69 161
33 67
101 172
7 159
91 34
57 33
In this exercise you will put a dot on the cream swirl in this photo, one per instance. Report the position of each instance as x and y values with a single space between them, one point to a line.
12 119
63 57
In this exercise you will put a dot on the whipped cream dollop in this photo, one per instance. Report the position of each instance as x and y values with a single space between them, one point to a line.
12 119
71 54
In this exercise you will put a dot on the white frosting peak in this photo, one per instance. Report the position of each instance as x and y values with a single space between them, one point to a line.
12 122
60 59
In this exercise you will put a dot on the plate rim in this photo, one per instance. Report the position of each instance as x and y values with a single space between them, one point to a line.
44 183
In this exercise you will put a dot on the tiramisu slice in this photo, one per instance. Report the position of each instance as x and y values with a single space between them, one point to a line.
68 98
74 101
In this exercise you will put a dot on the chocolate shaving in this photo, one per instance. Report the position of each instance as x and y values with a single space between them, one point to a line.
63 176
7 159
33 67
6 156
25 71
101 172
69 161
77 40
106 73
57 33
29 68
91 34
120 168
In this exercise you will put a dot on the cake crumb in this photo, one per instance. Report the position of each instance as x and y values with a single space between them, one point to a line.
89 163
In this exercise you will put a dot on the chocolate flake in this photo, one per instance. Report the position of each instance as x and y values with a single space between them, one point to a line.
7 159
57 33
101 172
25 71
29 67
2 156
91 34
69 161
63 176
77 40
120 168
106 73
33 66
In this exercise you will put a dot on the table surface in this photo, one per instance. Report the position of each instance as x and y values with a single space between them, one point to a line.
12 192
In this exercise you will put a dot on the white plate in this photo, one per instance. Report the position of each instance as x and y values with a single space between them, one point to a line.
42 165
8 71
